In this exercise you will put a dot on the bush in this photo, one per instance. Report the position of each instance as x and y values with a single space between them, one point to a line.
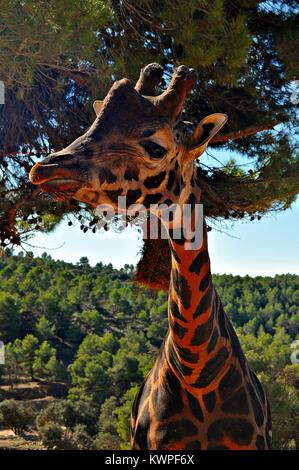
67 425
80 439
106 441
52 436
54 413
15 416
69 414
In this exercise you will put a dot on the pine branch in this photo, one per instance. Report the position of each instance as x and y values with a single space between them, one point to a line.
79 76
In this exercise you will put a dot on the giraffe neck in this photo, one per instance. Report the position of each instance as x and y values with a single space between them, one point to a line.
201 393
197 337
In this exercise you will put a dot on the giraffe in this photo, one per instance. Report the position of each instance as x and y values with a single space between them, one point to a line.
201 392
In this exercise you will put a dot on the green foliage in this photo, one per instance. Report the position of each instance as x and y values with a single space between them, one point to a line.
29 358
28 346
9 317
38 32
67 425
106 441
15 416
89 370
282 392
69 415
45 364
106 362
269 357
90 321
261 301
124 412
107 437
107 422
80 439
44 329
13 361
52 436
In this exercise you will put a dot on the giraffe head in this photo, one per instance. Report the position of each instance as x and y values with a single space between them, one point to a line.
137 146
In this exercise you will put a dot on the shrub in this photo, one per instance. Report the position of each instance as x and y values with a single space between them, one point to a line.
54 413
52 436
67 425
80 439
15 416
106 441
69 414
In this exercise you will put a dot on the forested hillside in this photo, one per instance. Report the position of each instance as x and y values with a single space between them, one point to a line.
93 330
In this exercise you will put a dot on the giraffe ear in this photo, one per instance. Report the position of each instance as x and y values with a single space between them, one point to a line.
97 106
204 132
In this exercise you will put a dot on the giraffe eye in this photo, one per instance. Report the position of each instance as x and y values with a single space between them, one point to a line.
153 149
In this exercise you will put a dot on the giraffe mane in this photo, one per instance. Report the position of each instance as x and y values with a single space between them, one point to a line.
153 269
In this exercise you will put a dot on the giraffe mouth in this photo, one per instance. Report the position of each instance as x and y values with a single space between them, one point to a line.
54 179
61 183
61 188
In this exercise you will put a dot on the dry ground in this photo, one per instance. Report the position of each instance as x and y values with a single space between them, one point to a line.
8 440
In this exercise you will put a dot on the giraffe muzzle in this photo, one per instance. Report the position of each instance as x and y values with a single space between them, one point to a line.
55 178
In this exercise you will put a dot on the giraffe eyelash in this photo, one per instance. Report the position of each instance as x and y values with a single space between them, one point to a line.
153 149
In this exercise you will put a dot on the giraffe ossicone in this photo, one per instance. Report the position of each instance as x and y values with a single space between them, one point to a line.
200 393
